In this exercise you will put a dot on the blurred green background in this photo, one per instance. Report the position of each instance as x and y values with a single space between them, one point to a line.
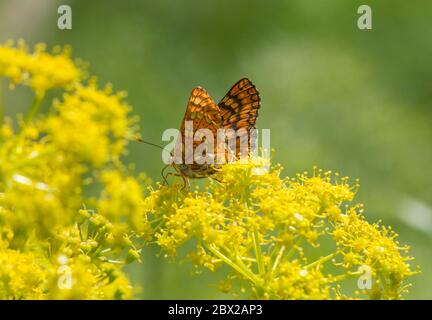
358 102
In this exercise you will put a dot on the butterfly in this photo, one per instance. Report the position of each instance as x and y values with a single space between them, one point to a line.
236 113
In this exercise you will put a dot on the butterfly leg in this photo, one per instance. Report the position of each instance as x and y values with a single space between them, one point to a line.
164 177
174 174
216 179
185 178
169 174
185 182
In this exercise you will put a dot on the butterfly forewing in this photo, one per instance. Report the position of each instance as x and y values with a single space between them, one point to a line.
201 113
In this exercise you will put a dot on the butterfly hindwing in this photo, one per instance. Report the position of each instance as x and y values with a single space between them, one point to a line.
239 107
239 110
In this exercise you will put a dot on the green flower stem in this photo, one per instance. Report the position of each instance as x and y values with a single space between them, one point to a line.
292 250
278 257
346 276
258 252
31 160
248 259
159 222
1 102
322 260
239 268
255 237
34 108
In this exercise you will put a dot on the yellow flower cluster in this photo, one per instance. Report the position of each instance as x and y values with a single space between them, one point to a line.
296 282
88 281
102 121
53 246
375 246
21 275
38 69
267 229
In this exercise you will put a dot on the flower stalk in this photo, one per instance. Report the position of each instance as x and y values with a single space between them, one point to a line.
37 101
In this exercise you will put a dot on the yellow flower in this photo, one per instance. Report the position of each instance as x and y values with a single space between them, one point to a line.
22 275
122 200
38 69
373 245
80 279
102 119
295 282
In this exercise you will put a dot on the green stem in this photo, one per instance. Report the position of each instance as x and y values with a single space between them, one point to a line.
248 259
322 260
343 277
278 257
33 109
255 237
293 249
240 269
27 161
258 252
1 102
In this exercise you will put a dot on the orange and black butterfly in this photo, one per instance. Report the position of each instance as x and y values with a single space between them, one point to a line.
236 112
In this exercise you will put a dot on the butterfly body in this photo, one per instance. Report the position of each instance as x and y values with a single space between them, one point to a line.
197 171
238 110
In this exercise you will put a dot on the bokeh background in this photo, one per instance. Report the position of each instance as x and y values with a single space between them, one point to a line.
357 102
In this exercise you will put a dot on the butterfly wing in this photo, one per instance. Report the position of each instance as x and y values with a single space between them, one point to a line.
239 110
203 113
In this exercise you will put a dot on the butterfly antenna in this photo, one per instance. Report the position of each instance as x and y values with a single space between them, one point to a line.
138 139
